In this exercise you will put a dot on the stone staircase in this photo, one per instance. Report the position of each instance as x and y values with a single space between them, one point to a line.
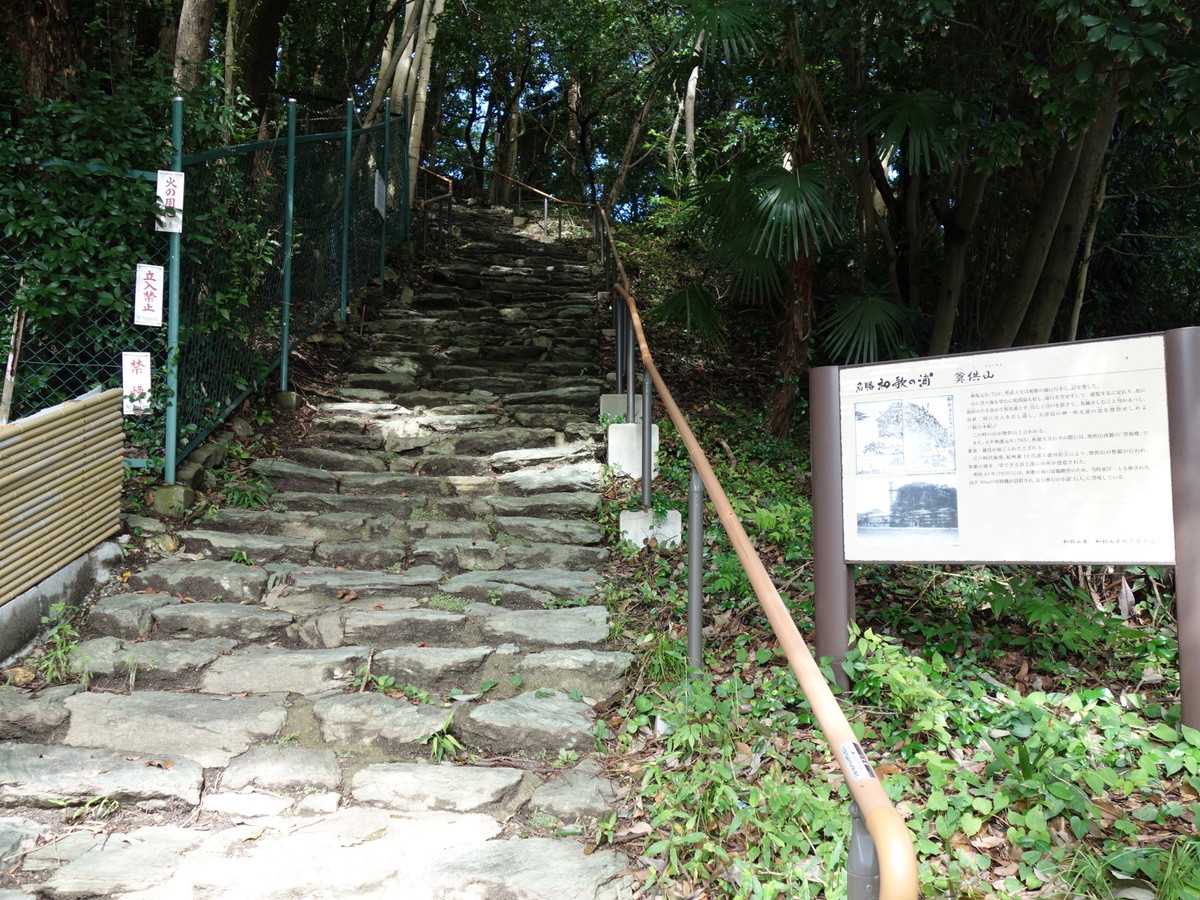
381 686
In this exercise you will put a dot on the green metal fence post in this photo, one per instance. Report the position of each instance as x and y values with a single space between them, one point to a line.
171 424
349 155
387 149
289 199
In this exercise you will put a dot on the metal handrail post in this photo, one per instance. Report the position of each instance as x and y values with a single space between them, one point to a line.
862 863
619 327
629 379
545 215
171 414
695 614
289 204
647 433
346 183
560 221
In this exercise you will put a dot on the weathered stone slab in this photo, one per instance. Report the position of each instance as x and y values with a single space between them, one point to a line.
385 627
49 776
283 769
203 580
330 582
207 729
246 805
574 627
538 869
434 667
231 620
57 854
493 440
450 555
376 720
557 556
258 548
555 582
555 505
126 615
550 531
335 460
290 476
377 505
511 460
415 788
580 794
344 526
267 670
582 476
596 674
143 663
365 554
534 722
138 860
34 715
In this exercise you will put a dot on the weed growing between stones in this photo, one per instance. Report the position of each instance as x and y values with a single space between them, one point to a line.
448 602
442 744
52 661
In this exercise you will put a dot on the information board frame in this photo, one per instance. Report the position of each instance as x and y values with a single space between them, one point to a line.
1174 475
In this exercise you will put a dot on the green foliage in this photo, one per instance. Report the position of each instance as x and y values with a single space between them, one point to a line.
52 660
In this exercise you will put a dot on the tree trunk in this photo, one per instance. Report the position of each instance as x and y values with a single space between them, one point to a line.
1007 317
42 38
191 43
417 109
258 47
1085 260
635 136
796 327
958 221
1064 248
689 114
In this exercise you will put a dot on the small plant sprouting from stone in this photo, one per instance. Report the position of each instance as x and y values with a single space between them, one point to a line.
567 757
52 662
240 557
442 744
98 807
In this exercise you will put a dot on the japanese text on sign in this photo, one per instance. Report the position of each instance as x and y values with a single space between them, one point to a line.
148 296
135 382
170 201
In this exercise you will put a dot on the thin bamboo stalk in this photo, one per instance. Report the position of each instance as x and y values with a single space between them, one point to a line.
54 444
98 493
12 588
34 478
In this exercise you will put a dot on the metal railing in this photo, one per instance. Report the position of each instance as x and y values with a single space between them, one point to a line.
894 862
438 221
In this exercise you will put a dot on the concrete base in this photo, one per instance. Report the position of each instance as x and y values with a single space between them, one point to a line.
625 449
616 406
21 618
640 525
288 400
173 499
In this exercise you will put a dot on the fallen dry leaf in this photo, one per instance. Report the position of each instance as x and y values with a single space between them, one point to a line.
161 763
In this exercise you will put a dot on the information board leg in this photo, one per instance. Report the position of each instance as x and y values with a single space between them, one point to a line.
833 580
1182 346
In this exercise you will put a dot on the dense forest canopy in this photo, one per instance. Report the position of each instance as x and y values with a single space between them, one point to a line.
885 178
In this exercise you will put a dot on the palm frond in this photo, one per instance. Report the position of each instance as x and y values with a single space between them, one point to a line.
918 124
794 212
697 309
866 328
732 24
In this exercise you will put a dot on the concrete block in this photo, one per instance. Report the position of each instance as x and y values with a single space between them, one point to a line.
21 618
616 406
640 525
189 474
173 499
288 400
625 449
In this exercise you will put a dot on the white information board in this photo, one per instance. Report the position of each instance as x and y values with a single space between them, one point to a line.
169 188
148 296
1046 454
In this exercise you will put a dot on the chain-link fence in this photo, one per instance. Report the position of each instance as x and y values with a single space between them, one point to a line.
277 235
